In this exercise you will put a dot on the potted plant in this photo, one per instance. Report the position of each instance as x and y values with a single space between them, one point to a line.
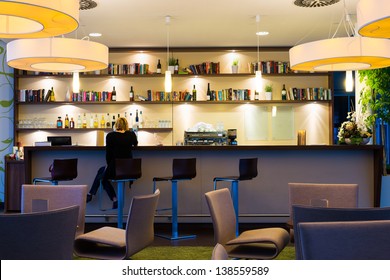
268 92
171 64
235 66
375 102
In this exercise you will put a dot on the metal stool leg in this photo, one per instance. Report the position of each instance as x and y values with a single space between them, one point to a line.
235 203
120 203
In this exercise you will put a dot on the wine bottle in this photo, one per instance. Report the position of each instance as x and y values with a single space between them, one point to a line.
71 123
108 124
113 94
136 119
113 122
284 92
52 96
158 67
131 123
131 94
176 67
208 97
194 94
66 121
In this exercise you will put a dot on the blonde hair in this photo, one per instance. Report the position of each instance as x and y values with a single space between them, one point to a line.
121 124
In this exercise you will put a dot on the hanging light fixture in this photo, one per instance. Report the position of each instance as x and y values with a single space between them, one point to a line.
341 54
168 74
373 18
57 55
38 18
348 81
258 77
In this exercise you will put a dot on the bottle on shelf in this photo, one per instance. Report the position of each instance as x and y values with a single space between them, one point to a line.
194 94
208 97
85 121
66 121
91 125
113 121
71 123
284 92
79 122
158 67
59 122
141 119
113 94
176 71
257 95
96 122
102 122
131 121
136 119
131 94
108 124
52 95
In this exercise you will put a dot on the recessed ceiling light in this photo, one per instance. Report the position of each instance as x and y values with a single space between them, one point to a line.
95 34
262 33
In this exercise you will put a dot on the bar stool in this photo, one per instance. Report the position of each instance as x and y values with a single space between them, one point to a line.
248 171
126 170
182 169
61 170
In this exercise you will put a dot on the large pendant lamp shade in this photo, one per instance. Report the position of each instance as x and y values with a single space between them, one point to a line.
38 18
56 55
341 54
373 18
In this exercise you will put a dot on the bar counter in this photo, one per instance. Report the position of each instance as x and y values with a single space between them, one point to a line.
263 199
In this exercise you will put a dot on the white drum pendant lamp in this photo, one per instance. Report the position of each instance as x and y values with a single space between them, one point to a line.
38 18
57 55
341 54
373 18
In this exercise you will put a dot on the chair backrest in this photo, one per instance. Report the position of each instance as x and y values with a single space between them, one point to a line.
319 214
219 253
140 222
40 236
335 195
36 198
64 169
128 168
248 168
184 168
222 214
363 240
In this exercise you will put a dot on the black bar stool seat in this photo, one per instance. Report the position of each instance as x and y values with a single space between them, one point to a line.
182 169
61 170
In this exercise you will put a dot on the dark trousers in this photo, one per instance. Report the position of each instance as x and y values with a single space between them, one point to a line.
102 177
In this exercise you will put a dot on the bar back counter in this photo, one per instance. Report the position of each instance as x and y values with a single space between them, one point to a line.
263 199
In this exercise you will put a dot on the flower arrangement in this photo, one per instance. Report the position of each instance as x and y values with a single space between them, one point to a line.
353 131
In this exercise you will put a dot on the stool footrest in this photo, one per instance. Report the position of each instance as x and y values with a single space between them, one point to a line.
170 237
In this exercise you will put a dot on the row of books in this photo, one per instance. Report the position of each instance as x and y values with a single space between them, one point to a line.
41 95
270 67
204 68
92 96
230 94
128 69
309 94
34 95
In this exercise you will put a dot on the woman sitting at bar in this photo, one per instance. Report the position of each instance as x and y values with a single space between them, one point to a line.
119 144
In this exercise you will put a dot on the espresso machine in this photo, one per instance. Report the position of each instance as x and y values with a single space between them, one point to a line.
232 135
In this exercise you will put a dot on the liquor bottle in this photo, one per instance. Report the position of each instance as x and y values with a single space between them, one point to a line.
158 67
52 96
256 95
79 122
141 119
96 122
59 122
113 94
91 125
113 121
131 94
102 122
108 125
131 122
136 119
208 97
176 67
84 121
194 94
284 92
71 123
66 121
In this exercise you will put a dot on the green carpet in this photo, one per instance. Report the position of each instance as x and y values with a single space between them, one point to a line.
192 253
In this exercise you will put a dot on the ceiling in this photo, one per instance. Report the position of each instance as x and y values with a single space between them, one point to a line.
203 23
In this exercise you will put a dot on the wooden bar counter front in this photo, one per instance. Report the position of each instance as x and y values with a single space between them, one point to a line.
263 199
